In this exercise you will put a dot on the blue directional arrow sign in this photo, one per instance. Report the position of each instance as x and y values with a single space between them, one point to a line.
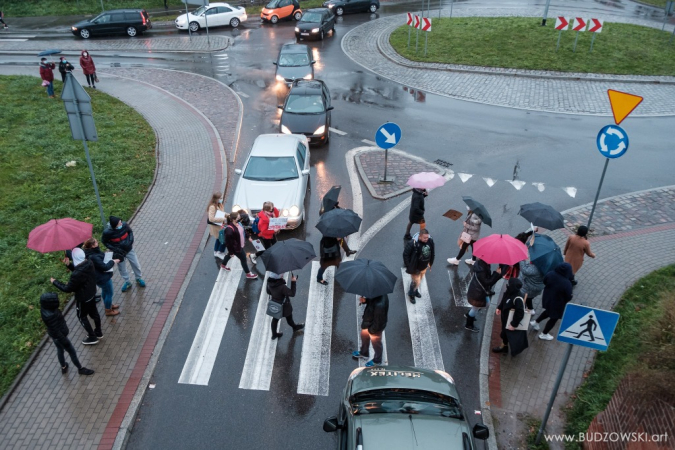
612 141
587 327
388 135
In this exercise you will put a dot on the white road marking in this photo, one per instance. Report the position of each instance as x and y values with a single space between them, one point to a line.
315 358
459 287
243 94
366 141
423 332
371 352
202 356
12 40
336 131
259 363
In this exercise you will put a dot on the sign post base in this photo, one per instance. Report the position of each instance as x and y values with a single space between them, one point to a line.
385 179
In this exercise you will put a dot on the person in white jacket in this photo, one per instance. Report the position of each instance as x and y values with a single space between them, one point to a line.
472 228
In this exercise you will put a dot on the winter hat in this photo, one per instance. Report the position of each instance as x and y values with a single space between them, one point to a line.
114 221
49 300
78 256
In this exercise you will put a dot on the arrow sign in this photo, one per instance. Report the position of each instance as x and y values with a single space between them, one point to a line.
409 19
426 24
579 24
388 135
417 21
595 25
562 23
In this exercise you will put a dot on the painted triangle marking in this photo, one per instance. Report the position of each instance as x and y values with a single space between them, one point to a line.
586 329
622 104
464 176
518 184
571 191
540 186
490 182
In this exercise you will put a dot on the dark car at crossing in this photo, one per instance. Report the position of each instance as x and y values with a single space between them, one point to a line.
315 24
131 22
340 7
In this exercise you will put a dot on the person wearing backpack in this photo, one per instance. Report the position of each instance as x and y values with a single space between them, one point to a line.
418 257
281 293
235 239
261 227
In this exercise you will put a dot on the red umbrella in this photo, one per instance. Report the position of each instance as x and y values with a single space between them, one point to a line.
500 249
59 234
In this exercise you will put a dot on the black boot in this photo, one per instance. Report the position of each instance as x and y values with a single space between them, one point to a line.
502 349
276 335
411 294
469 323
298 327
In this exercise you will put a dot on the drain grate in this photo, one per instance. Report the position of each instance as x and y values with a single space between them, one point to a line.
442 163
115 65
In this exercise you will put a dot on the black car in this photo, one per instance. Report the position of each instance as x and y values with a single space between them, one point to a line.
118 21
352 6
315 23
307 111
294 63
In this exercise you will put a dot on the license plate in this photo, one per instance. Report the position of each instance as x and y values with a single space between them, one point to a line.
304 34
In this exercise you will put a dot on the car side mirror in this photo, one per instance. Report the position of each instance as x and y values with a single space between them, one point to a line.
330 108
237 171
330 425
313 62
280 106
480 431
305 172
274 62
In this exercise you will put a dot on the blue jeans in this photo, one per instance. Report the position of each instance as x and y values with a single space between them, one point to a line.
135 266
107 293
50 88
218 247
474 310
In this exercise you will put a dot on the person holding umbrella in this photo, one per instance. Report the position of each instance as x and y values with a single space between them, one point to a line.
280 293
480 290
47 75
470 234
335 225
418 257
373 323
576 247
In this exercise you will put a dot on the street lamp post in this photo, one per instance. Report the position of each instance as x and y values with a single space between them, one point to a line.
543 19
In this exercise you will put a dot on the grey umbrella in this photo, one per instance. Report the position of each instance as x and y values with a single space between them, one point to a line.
542 215
478 209
291 254
365 277
330 200
339 223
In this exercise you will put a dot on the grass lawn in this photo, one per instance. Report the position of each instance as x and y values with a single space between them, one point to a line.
522 43
36 186
659 3
647 305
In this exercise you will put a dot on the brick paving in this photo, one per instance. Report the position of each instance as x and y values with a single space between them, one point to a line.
154 44
368 45
525 383
51 411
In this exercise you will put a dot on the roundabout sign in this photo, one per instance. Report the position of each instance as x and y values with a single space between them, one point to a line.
612 141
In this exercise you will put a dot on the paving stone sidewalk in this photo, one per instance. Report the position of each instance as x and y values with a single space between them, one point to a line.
522 386
154 44
368 45
48 410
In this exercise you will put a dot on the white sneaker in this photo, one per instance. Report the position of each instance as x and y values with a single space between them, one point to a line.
221 255
454 261
216 254
545 337
469 261
535 325
253 258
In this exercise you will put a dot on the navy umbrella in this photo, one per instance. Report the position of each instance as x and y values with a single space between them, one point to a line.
330 200
52 51
291 254
478 209
365 277
544 253
542 215
339 223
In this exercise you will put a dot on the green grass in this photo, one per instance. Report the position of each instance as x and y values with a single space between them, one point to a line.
642 307
36 186
659 3
522 43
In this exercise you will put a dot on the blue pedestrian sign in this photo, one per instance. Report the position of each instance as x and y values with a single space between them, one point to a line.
587 327
388 135
612 141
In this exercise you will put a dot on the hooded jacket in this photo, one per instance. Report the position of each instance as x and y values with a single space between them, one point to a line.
533 280
87 64
375 314
52 317
417 206
278 290
119 240
46 71
482 280
82 282
412 255
97 257
472 226
557 290
513 291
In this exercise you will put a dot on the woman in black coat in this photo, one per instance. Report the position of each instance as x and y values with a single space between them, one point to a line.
329 251
416 214
512 301
557 293
480 289
280 293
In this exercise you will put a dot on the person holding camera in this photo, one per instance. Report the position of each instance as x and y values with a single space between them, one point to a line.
480 290
235 239
281 293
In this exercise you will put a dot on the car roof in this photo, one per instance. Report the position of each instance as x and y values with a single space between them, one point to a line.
307 87
294 48
124 10
317 10
210 5
402 377
275 145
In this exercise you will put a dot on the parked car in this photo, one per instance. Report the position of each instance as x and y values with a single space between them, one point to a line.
307 111
293 63
117 21
277 10
217 15
398 407
315 23
277 171
352 6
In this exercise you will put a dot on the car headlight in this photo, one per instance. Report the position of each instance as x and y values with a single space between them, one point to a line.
294 211
285 130
73 28
445 375
307 77
280 78
315 30
236 208
297 30
320 130
330 6
284 212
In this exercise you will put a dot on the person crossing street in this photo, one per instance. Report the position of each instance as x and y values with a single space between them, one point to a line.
418 257
373 323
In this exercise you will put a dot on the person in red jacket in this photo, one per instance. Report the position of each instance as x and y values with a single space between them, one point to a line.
88 68
267 237
47 75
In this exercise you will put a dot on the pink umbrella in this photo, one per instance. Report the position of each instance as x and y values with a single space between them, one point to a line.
426 180
59 234
500 249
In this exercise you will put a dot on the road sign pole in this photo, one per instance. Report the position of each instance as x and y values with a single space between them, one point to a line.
561 371
206 21
409 30
672 36
429 8
592 40
543 19
187 17
417 38
575 42
102 8
558 44
597 194
452 3
426 39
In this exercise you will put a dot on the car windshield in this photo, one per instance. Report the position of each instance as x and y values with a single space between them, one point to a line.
406 401
273 4
270 168
293 60
311 17
199 11
304 104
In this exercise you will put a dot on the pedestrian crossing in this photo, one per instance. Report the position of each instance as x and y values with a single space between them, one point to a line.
459 285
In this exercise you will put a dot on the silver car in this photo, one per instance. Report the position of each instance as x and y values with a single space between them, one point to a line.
277 171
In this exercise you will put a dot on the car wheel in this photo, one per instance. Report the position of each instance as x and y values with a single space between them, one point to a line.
274 19
321 35
234 22
373 7
131 31
84 33
194 27
297 16
339 11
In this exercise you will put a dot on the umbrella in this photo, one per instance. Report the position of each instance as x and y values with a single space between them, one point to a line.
52 51
288 255
330 200
426 180
339 223
544 253
542 216
500 249
365 277
59 234
478 209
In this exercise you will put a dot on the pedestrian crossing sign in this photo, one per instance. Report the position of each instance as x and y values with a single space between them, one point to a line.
587 327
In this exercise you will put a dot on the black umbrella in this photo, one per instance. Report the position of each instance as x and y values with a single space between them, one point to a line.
365 277
542 216
330 199
291 254
478 209
339 223
52 51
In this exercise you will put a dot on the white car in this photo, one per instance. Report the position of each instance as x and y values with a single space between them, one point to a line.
217 14
277 171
